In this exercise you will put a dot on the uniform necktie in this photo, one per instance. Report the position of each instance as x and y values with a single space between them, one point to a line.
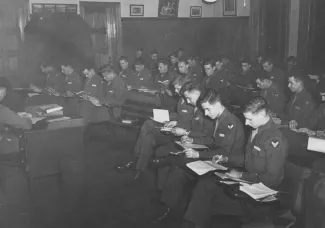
254 132
215 128
293 101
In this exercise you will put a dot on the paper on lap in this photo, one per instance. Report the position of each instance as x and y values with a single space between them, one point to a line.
161 115
202 167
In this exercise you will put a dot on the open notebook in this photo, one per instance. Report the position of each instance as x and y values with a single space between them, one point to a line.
257 191
202 167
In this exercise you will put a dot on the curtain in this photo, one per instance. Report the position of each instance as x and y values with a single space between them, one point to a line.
105 19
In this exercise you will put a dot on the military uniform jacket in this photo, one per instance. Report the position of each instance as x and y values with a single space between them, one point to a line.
55 80
184 114
219 80
94 86
139 79
163 78
9 117
126 74
275 98
301 108
73 83
244 79
227 139
265 156
278 76
197 73
200 125
114 91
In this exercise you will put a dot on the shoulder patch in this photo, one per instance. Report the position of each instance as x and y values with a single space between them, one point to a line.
230 126
276 94
275 143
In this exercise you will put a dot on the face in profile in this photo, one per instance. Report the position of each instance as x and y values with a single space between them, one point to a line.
213 111
252 119
182 67
177 88
162 68
108 76
267 66
293 85
139 68
191 97
173 59
3 93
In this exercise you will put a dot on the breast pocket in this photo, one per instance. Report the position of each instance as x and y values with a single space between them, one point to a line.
258 158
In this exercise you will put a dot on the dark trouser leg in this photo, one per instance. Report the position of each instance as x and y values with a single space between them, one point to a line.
173 187
205 195
149 143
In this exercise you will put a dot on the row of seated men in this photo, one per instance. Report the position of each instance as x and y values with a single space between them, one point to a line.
202 118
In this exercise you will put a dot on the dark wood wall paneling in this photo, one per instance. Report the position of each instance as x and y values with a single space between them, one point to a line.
205 37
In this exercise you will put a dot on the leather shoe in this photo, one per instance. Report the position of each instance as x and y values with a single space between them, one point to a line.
137 175
128 165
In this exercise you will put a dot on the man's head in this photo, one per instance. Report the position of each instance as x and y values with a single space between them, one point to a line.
46 68
124 62
178 83
108 74
139 65
219 64
154 55
139 52
163 66
211 104
267 64
291 62
183 66
259 59
3 92
192 61
256 113
89 72
191 92
225 59
66 69
296 82
263 81
209 67
245 65
173 57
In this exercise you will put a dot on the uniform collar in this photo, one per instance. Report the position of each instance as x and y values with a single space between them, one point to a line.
268 125
223 115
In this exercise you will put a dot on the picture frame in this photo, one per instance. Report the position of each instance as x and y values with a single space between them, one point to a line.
196 11
168 8
136 10
229 7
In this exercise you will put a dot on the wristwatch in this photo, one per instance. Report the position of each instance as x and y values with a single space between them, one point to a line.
187 133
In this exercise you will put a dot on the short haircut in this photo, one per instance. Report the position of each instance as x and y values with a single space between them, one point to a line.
262 76
154 52
107 70
179 80
164 62
297 75
255 105
140 49
292 59
180 49
224 56
192 58
139 61
209 62
211 96
268 60
46 64
183 60
123 58
246 60
174 54
190 87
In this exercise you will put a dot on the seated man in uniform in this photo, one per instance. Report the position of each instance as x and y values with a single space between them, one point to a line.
216 78
141 77
272 94
263 160
151 137
291 62
126 72
224 137
114 89
153 64
183 68
195 69
276 74
72 84
10 98
301 106
93 87
173 58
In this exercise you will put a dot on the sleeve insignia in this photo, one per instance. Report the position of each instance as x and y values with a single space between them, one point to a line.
276 94
221 79
275 143
230 126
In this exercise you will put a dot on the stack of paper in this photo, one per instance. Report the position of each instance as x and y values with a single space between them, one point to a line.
50 108
160 115
202 167
192 146
315 144
257 191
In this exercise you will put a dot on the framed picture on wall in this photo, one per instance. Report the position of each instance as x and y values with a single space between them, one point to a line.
196 11
136 10
168 8
229 8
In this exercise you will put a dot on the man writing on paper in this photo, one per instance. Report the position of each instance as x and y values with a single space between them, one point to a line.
150 137
226 138
264 160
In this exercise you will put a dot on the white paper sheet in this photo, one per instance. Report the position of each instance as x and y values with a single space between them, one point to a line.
32 94
202 167
257 191
191 146
315 144
161 115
